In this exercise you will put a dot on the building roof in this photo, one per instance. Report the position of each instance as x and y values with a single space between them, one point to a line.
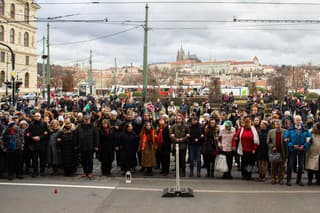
184 62
216 62
241 62
261 83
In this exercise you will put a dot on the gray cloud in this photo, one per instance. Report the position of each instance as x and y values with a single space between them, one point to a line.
272 43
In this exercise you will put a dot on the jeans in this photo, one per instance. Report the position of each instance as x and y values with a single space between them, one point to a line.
292 156
195 155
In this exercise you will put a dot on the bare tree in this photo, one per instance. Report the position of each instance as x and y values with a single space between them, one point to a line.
215 90
278 86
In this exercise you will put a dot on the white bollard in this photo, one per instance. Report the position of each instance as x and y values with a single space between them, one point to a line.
128 177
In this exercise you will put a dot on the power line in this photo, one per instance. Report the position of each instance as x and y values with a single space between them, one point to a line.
132 22
185 21
76 61
183 2
232 29
97 38
306 21
59 20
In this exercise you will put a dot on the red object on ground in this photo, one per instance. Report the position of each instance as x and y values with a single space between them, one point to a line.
55 191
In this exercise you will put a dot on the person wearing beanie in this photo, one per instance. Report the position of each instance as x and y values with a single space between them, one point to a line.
225 145
13 149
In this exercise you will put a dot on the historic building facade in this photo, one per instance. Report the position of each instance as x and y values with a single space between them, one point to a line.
18 30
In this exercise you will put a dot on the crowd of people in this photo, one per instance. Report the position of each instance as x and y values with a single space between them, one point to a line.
68 134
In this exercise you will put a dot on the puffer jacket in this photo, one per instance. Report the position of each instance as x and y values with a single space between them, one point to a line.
295 139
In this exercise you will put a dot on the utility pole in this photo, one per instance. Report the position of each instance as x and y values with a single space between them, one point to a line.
43 79
48 64
145 57
90 73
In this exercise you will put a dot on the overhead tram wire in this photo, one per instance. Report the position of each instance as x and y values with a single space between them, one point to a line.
97 38
76 61
304 21
181 2
273 23
232 29
61 20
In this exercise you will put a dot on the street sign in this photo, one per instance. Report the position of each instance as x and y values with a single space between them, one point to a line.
14 74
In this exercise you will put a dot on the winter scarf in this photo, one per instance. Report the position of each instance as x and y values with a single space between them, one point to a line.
255 139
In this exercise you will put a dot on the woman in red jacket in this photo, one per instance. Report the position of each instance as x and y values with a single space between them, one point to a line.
148 147
248 143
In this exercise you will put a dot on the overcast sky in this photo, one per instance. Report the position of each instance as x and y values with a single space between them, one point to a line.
271 43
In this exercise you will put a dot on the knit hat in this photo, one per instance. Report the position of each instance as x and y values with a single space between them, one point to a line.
310 116
227 123
113 112
23 122
11 124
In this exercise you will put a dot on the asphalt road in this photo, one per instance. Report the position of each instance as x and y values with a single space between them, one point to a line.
102 194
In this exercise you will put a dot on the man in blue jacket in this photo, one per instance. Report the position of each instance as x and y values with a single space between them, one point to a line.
298 140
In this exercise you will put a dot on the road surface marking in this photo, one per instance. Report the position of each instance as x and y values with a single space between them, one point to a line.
160 189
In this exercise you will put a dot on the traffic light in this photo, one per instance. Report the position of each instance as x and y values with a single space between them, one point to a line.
8 83
18 84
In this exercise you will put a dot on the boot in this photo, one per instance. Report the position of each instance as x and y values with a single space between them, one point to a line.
208 171
183 173
310 177
212 174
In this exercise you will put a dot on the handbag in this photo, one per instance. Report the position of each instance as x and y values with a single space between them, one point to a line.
221 163
275 157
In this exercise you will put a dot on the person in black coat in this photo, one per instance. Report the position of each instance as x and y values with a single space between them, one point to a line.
262 151
69 157
164 146
195 143
87 140
116 126
127 146
106 147
37 135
